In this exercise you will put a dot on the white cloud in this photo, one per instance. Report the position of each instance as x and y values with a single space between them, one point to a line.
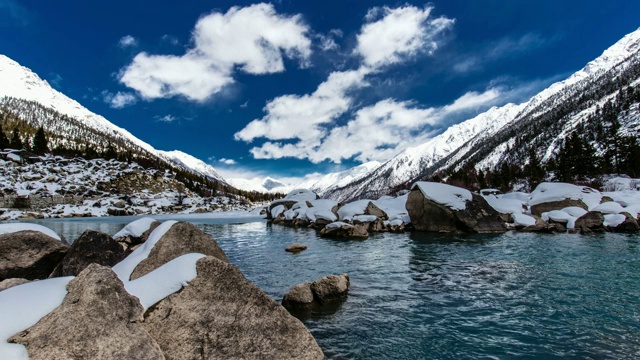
128 41
119 99
167 118
400 33
301 116
252 39
228 161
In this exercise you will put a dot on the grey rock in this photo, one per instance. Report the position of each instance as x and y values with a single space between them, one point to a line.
29 254
92 247
299 296
357 232
221 315
331 288
590 222
182 238
373 209
9 283
477 217
296 248
538 209
97 319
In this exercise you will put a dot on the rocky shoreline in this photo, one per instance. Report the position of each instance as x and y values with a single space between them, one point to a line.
153 291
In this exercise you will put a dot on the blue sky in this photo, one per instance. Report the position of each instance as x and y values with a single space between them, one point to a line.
296 87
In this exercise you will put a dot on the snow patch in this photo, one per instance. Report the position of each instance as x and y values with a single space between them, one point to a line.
135 228
15 227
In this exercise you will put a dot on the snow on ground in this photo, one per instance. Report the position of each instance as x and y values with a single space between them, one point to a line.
135 229
23 306
124 268
15 227
548 192
444 194
164 280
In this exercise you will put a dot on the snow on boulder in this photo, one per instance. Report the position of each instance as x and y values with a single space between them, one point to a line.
394 207
575 211
15 227
322 209
348 211
277 210
505 205
24 305
450 196
609 207
523 220
625 198
436 207
560 216
135 228
613 220
555 196
634 210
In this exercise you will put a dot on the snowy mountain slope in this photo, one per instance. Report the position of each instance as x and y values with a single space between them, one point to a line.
409 163
19 82
190 162
555 112
320 185
509 131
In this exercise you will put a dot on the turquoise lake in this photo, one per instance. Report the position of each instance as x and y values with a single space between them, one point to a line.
432 296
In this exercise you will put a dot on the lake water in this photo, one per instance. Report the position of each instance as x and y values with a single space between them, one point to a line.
421 296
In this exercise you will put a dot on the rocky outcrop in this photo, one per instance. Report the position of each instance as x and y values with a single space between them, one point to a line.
345 231
182 238
373 209
296 248
222 315
9 283
97 319
128 242
29 254
329 289
538 209
92 247
477 216
590 222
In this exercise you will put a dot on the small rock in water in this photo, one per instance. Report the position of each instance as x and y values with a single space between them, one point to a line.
296 248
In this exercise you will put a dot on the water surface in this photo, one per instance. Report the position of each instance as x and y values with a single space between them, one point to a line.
442 296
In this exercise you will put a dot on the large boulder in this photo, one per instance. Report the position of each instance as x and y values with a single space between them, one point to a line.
92 247
341 230
29 254
220 314
373 209
98 319
590 222
438 207
182 238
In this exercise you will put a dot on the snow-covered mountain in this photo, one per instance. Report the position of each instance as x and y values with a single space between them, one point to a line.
506 133
19 82
262 185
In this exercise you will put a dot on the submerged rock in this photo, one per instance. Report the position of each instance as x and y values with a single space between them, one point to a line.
220 314
296 248
97 319
29 254
92 247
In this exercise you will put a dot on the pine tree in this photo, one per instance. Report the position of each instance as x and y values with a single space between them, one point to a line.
4 141
16 142
40 144
534 170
